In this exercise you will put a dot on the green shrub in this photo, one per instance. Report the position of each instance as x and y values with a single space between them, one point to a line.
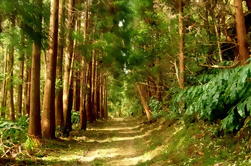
226 97
156 107
75 117
13 132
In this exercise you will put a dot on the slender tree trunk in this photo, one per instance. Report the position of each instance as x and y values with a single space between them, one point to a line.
98 94
21 77
48 118
102 94
59 91
82 108
35 119
68 60
105 99
27 87
1 20
76 84
241 33
181 47
11 69
68 123
144 103
4 89
90 103
94 87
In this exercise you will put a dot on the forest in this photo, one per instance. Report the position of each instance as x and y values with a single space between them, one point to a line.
125 82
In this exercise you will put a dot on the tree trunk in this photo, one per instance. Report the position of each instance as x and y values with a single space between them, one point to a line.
4 89
68 60
67 116
90 85
144 103
1 20
35 119
27 88
48 118
181 47
94 86
102 97
105 99
11 69
241 33
82 108
59 91
21 77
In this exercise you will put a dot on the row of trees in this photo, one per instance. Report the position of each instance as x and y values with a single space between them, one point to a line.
143 48
172 42
62 45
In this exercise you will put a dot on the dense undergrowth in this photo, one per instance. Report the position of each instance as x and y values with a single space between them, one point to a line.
193 145
13 135
15 142
226 97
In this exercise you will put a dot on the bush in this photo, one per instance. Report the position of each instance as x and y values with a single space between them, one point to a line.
226 97
12 134
156 107
75 117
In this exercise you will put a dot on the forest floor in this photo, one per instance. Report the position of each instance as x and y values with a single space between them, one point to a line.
115 142
129 142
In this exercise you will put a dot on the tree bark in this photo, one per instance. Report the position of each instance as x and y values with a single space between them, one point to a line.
68 124
48 118
11 69
35 119
27 88
68 59
144 103
59 91
241 33
82 108
105 99
90 86
21 77
181 47
4 89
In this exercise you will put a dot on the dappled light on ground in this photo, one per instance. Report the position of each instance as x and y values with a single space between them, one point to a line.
117 142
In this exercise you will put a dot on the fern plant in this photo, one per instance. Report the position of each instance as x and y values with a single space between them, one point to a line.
225 97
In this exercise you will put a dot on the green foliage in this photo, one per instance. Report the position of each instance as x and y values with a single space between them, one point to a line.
13 132
225 97
59 84
156 107
75 117
30 144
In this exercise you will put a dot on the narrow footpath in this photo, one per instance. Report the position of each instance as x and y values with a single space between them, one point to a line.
117 142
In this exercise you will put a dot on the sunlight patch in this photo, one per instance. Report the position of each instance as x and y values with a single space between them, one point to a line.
101 153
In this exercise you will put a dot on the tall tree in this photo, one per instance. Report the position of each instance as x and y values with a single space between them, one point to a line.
181 46
68 63
241 33
144 102
59 91
21 77
11 69
48 118
35 119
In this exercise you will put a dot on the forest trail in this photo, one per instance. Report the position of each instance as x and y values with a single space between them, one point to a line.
116 142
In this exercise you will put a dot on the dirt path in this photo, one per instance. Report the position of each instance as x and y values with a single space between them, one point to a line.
116 142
